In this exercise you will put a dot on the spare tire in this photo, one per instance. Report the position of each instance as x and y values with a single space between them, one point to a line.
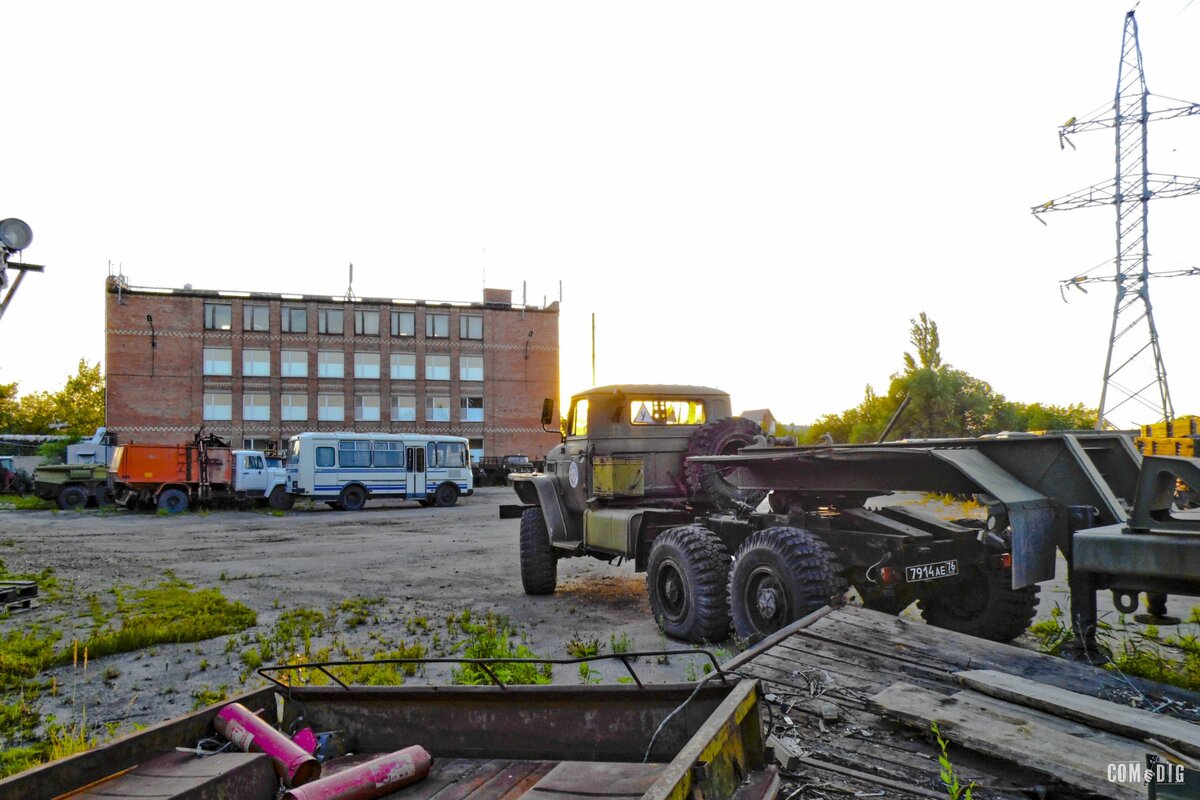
721 437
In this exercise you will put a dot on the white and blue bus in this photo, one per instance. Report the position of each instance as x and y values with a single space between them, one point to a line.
345 469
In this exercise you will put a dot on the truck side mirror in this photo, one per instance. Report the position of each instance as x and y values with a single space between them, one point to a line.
547 411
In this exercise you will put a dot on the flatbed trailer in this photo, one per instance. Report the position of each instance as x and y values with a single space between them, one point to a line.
487 742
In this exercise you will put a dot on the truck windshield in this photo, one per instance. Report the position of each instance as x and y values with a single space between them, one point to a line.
667 412
293 452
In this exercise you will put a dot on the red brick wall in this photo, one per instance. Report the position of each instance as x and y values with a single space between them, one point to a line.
155 394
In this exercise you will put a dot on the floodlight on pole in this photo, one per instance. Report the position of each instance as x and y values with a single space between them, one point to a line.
15 235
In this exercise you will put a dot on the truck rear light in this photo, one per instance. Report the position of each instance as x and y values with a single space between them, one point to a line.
1002 561
888 575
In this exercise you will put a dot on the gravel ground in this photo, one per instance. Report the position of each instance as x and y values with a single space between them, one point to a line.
422 562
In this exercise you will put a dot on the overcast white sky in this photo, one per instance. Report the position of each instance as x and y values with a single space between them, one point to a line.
756 196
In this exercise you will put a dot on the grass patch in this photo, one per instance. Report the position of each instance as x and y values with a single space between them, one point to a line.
29 502
578 647
492 637
358 610
620 644
59 741
23 654
206 697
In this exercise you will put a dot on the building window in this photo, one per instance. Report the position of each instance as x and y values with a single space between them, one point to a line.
330 320
294 320
256 406
293 407
218 361
404 367
256 318
437 326
366 323
470 368
293 363
366 365
331 364
366 407
354 453
437 368
218 405
404 408
256 362
218 317
404 323
254 443
471 409
331 408
470 326
437 408
476 448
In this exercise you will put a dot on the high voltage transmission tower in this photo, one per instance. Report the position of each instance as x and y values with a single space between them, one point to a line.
1134 367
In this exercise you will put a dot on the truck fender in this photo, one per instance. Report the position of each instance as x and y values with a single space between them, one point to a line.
562 526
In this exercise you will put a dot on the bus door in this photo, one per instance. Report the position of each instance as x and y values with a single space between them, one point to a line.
415 483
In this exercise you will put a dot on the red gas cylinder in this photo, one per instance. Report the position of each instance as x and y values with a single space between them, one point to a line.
371 779
239 725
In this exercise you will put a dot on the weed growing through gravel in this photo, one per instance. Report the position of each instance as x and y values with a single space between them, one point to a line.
491 637
620 644
578 647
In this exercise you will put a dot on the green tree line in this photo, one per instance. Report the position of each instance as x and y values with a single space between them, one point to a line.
77 409
943 402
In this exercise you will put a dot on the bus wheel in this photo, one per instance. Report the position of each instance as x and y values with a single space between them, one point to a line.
353 498
446 495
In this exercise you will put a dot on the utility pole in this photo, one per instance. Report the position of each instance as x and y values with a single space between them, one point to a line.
15 236
593 348
1133 368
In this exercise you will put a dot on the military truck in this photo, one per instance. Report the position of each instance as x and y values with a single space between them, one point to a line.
639 476
72 485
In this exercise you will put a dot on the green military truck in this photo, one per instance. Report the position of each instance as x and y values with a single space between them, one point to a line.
650 473
72 485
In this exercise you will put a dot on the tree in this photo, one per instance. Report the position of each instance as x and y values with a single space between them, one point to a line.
75 410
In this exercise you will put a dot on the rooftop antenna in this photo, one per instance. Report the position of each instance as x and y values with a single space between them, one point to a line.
350 288
1133 370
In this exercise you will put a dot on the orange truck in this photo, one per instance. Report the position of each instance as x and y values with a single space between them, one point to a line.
204 472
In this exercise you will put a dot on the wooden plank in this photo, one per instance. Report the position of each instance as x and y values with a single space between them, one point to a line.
1134 723
1060 749
579 780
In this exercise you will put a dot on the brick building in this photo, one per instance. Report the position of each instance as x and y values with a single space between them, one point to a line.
257 368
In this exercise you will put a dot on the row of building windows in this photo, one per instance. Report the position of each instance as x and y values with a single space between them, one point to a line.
332 321
331 407
332 364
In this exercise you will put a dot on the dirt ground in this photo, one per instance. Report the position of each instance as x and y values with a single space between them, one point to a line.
424 563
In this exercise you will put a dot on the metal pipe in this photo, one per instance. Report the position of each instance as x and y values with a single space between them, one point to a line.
250 734
895 418
375 778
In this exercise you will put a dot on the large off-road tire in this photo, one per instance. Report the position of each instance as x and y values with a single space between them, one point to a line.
539 564
446 495
721 437
352 498
980 602
280 499
685 578
778 576
173 501
70 497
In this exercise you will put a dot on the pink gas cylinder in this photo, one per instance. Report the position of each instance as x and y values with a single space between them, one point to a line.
368 780
239 725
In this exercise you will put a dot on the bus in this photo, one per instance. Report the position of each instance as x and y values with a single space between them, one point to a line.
346 469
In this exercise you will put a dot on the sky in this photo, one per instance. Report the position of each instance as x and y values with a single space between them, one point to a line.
753 196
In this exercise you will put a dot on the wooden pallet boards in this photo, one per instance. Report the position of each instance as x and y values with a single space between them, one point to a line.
1062 750
1134 723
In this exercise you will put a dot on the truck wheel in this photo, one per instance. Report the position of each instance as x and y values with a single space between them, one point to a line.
353 498
446 495
71 497
174 501
685 578
281 500
539 564
981 602
720 438
778 576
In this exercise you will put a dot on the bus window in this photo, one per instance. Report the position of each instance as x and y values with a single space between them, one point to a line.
579 420
354 453
387 454
324 456
447 454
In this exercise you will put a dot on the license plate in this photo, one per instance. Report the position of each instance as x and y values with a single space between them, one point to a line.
931 572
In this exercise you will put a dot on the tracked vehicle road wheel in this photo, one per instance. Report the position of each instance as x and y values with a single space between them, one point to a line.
685 578
721 437
539 564
778 576
981 602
